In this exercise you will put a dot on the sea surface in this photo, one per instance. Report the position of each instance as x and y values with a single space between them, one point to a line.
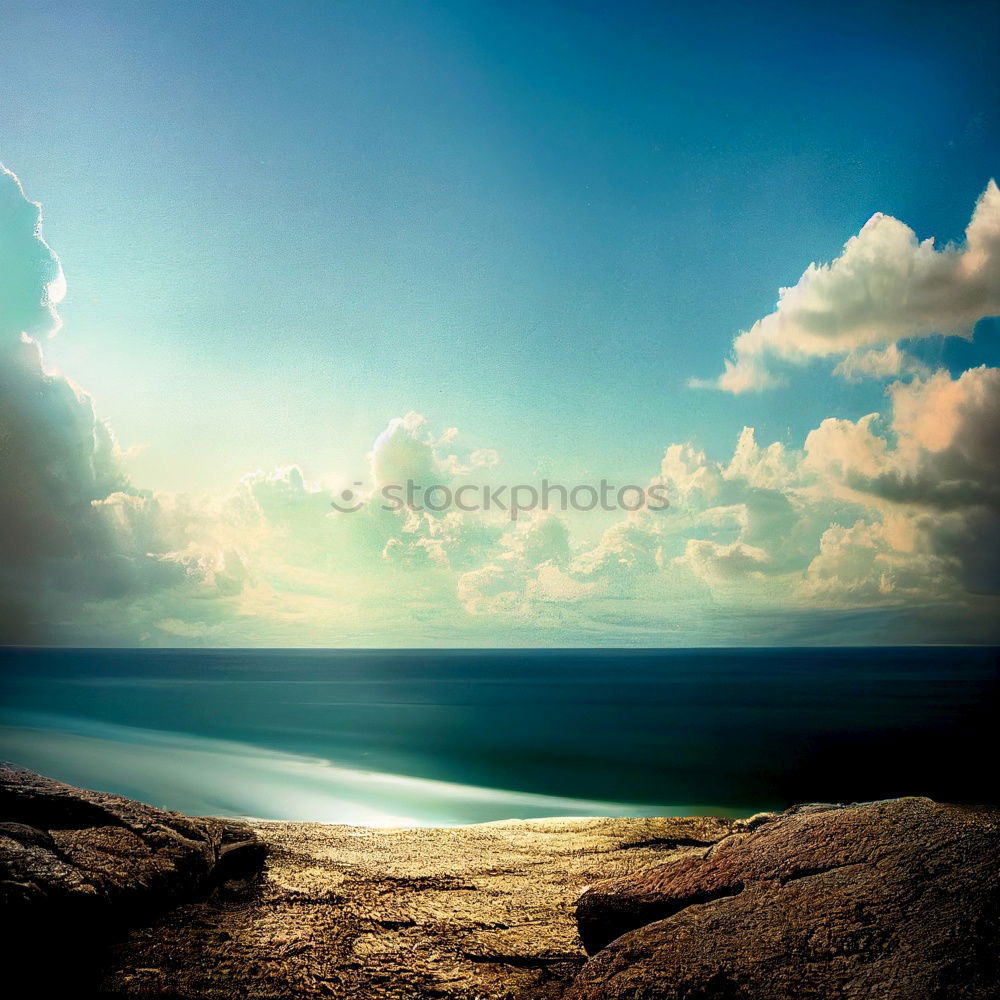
434 737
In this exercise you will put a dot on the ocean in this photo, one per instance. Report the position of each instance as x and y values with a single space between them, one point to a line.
438 737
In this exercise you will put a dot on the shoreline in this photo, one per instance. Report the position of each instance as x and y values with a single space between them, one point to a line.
150 903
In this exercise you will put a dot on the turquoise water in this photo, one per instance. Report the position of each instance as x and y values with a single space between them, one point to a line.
453 736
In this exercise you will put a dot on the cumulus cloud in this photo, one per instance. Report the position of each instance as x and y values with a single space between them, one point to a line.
451 541
901 508
881 364
72 527
628 549
31 277
886 286
715 563
890 510
936 466
863 564
757 514
406 451
526 567
944 453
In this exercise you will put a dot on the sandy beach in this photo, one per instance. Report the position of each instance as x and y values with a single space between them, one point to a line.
466 912
895 899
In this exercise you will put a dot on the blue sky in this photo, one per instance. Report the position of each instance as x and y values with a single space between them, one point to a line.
283 226
493 214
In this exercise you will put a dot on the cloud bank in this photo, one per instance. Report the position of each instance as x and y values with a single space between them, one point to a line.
885 527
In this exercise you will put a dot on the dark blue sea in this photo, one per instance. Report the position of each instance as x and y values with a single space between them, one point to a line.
459 736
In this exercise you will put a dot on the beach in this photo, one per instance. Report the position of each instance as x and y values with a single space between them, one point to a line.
476 911
110 897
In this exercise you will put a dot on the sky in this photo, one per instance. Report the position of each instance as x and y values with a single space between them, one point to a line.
309 246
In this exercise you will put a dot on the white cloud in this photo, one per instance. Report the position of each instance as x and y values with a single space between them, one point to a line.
626 550
862 564
406 451
72 527
874 363
938 465
889 510
943 450
715 563
886 286
526 567
31 277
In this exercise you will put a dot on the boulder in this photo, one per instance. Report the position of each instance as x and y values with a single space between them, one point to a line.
897 900
72 855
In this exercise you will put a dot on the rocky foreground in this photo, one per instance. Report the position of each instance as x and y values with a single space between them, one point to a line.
894 900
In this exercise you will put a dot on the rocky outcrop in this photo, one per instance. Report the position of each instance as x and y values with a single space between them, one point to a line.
89 860
896 900
137 902
892 900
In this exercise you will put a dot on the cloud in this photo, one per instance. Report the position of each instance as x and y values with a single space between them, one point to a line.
628 549
405 451
72 527
883 510
897 510
885 363
945 451
937 466
31 277
757 514
451 541
862 564
886 286
715 563
524 572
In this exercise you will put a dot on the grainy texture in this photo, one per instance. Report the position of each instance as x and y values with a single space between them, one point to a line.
78 867
469 913
68 852
896 900
885 901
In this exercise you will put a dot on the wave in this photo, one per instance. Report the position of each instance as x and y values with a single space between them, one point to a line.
204 776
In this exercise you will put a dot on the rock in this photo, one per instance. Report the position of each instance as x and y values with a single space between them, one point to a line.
72 855
240 859
896 900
